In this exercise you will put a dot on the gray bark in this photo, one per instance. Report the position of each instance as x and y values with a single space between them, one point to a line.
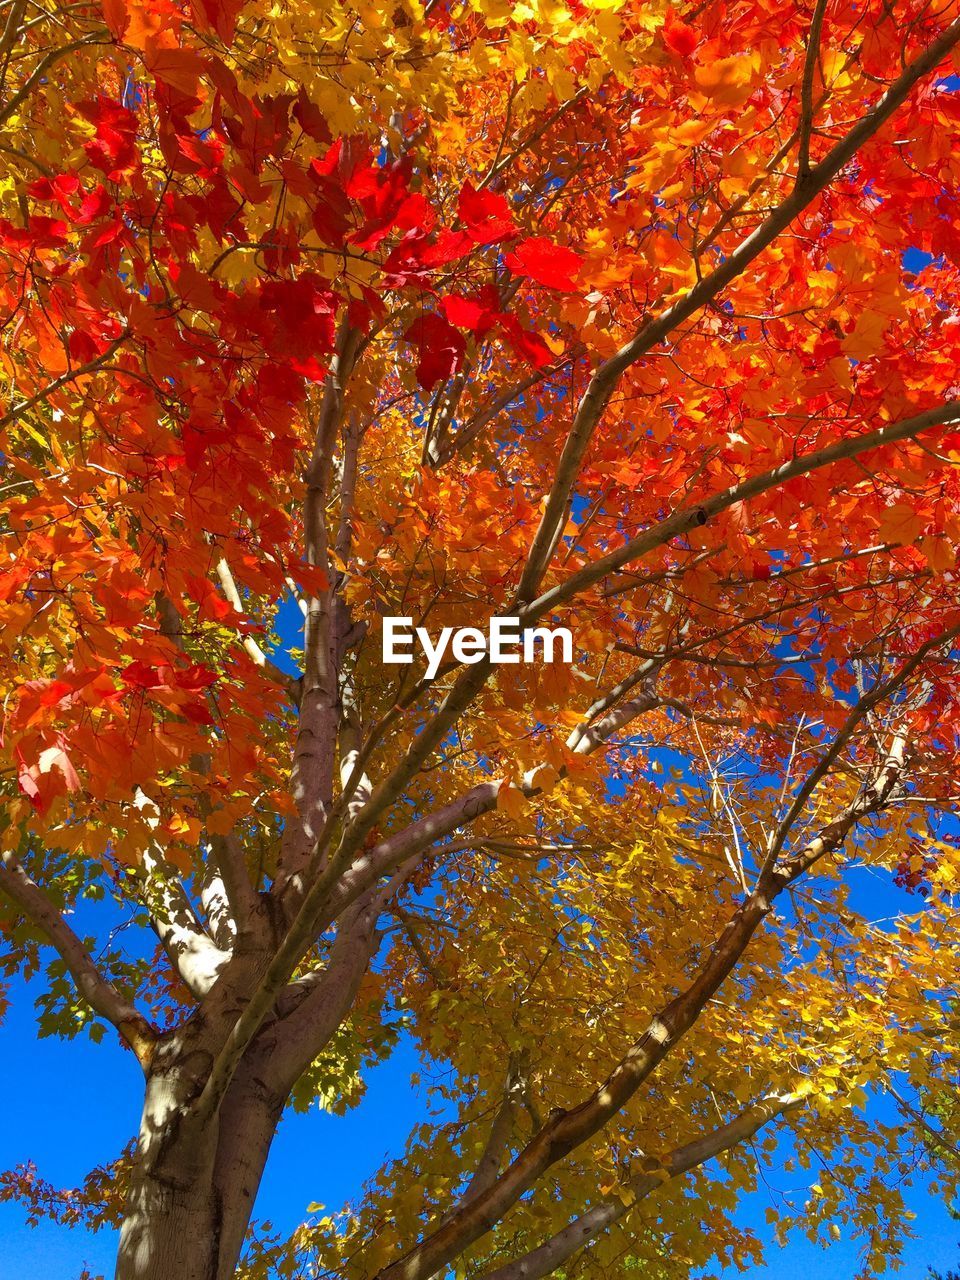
192 1192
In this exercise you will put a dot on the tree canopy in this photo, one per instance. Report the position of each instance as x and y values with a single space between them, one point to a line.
635 318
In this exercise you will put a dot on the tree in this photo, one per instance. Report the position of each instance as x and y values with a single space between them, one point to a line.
601 315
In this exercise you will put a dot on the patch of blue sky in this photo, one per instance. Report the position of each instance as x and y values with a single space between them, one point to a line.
82 1105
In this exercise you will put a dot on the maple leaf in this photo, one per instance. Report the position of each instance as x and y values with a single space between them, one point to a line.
440 348
112 149
485 214
726 80
40 232
479 313
539 259
900 523
116 14
309 576
83 347
140 675
529 345
511 801
219 16
678 36
57 758
38 782
95 204
27 781
311 119
61 189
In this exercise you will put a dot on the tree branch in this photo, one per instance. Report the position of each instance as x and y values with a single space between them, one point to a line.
101 995
292 685
555 1251
691 517
311 778
603 382
806 90
192 952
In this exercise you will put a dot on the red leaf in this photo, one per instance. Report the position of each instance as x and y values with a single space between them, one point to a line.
279 382
539 259
82 347
107 233
680 38
12 581
309 368
56 757
411 261
140 676
38 696
204 155
94 205
196 712
486 215
326 167
54 692
29 776
331 215
310 118
59 189
448 246
309 576
40 232
469 313
195 678
27 782
221 15
47 232
210 603
180 68
441 348
529 345
116 15
112 150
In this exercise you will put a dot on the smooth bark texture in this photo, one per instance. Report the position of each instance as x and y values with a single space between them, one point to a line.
193 1189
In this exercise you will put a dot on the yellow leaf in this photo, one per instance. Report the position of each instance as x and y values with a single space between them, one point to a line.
900 524
939 552
725 80
867 336
511 801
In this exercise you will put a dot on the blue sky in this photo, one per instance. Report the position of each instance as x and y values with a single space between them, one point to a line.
73 1105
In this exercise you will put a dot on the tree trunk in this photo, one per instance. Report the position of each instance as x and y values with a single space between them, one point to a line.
192 1193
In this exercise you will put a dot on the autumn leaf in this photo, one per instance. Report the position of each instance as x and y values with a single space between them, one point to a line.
900 523
511 801
439 347
469 313
726 81
485 214
538 259
678 36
